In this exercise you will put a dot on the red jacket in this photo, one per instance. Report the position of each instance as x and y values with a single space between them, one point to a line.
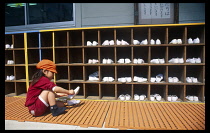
34 91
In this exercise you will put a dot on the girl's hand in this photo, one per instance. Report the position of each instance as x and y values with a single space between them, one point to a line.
71 92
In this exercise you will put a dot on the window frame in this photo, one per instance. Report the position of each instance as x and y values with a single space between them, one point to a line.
42 26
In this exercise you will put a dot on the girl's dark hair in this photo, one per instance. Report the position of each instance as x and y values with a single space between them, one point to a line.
37 75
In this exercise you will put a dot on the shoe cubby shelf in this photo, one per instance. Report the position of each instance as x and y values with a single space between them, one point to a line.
68 49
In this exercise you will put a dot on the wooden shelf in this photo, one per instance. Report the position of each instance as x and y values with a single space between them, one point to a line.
68 49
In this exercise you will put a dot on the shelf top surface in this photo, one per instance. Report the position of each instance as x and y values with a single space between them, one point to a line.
126 26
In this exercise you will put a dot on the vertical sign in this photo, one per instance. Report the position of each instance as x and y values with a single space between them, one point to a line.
151 13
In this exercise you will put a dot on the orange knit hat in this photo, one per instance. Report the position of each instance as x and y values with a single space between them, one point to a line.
47 65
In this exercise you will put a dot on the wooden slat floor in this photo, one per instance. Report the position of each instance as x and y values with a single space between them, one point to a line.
118 114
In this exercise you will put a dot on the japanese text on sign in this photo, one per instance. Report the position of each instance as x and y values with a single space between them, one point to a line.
155 10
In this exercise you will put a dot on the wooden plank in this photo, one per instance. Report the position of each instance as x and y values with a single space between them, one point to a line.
184 116
152 112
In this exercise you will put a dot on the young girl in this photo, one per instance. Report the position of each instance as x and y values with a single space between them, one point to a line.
41 93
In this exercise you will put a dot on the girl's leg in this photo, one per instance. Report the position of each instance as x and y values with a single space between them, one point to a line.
49 97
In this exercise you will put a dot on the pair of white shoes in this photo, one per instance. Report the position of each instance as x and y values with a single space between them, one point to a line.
76 91
158 61
157 42
139 79
158 78
93 61
107 42
155 96
173 80
172 98
176 60
193 60
10 62
176 41
124 61
7 46
107 61
125 79
108 79
124 97
191 80
89 43
192 98
10 77
139 97
122 42
196 40
138 61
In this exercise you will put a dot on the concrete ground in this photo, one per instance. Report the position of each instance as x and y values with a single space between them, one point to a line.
15 125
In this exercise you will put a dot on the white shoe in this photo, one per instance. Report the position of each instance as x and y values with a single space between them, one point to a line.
76 91
94 43
142 97
158 97
12 46
140 61
158 42
194 80
135 78
90 61
8 78
135 61
195 98
11 77
104 61
161 61
152 98
197 40
175 79
179 41
174 41
118 42
136 97
124 42
7 46
73 102
105 43
122 97
152 79
127 97
197 60
110 79
156 61
180 60
189 79
190 41
89 43
111 42
127 60
121 61
136 42
170 80
169 98
174 98
109 61
144 42
159 77
152 42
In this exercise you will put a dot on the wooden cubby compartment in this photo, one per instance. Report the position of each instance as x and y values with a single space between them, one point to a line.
68 49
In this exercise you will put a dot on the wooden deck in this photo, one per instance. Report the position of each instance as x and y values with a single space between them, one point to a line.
118 114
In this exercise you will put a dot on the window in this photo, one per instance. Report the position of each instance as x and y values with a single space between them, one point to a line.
27 16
